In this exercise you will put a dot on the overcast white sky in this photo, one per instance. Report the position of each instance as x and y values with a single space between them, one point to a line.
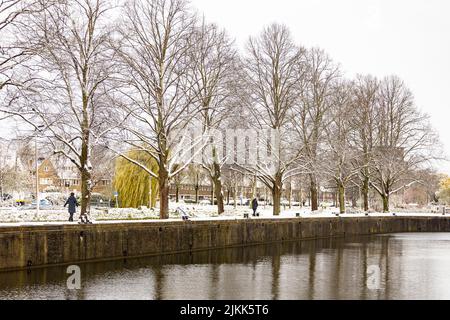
410 38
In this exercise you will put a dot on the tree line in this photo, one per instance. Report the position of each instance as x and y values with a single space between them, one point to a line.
128 77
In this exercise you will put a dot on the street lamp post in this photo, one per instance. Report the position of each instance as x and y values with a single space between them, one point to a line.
37 176
36 158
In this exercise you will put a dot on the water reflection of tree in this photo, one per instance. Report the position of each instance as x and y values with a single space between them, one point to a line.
312 270
260 267
384 259
276 264
380 245
215 278
364 271
338 268
159 282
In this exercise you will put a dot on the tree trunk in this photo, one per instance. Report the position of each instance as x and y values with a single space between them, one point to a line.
219 195
1 187
354 200
335 198
365 192
300 198
235 193
177 193
314 194
85 191
341 195
435 198
212 191
196 193
290 195
254 191
217 183
163 193
86 182
385 203
276 195
218 189
266 198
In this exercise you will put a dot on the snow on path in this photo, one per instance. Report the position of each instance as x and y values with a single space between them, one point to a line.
16 217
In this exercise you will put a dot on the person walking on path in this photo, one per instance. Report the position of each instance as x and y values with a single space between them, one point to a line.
254 206
73 204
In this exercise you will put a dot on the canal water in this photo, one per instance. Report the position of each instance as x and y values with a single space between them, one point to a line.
394 266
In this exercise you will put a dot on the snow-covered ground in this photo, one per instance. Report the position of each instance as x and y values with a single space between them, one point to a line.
196 212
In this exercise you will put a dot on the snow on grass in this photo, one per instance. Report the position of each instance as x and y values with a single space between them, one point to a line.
196 212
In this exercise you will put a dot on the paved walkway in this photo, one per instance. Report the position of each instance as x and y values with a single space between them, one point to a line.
288 215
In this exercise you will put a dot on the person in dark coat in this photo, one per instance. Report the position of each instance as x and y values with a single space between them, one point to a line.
254 206
72 202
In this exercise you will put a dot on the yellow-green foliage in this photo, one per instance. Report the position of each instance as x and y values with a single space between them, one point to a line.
132 182
444 191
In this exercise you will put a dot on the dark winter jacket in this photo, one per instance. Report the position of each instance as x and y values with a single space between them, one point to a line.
254 204
72 202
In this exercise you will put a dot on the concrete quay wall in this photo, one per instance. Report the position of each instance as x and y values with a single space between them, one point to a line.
37 246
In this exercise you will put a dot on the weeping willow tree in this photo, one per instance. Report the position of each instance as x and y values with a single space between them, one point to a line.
133 183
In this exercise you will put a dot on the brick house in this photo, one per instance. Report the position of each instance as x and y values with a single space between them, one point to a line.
48 177
63 176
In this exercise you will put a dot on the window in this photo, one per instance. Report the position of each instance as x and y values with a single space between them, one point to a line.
46 181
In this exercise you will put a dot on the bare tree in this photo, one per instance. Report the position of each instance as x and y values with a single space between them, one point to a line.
102 165
67 99
9 11
178 180
429 180
405 142
196 175
233 181
12 54
216 78
13 175
16 167
154 46
316 92
366 90
272 65
340 158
